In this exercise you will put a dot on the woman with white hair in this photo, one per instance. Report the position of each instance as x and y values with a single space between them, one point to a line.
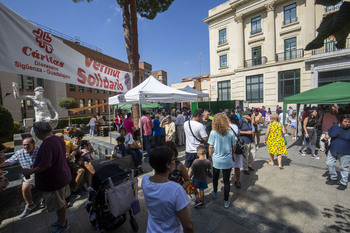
169 128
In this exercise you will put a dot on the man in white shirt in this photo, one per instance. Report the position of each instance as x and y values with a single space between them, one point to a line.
195 135
179 123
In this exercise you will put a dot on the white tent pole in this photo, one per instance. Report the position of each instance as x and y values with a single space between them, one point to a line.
140 121
109 123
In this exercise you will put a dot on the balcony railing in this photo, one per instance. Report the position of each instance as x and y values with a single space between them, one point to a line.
255 62
293 54
330 47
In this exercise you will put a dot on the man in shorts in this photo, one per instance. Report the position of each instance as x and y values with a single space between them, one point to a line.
195 135
25 157
52 174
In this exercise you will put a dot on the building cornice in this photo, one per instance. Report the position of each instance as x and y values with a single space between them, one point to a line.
217 15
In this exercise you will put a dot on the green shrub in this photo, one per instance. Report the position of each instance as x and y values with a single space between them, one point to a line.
6 126
17 127
63 122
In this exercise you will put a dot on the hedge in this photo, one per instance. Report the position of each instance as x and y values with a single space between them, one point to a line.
63 122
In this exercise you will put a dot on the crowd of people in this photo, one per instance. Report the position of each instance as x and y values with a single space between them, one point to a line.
214 144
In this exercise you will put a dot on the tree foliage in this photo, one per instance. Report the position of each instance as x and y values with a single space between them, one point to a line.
6 126
148 9
68 103
335 24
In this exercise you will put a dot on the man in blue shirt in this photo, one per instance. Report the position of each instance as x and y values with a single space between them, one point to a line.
245 127
339 150
157 130
25 157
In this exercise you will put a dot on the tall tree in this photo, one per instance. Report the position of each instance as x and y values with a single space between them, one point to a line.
336 24
68 103
148 9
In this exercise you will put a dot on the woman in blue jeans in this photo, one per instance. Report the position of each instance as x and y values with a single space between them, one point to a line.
135 153
222 146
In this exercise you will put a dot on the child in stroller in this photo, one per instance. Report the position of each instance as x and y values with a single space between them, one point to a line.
101 202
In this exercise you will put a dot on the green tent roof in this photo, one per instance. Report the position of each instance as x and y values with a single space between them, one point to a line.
337 92
144 106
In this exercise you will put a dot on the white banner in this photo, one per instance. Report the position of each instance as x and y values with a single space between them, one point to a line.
28 50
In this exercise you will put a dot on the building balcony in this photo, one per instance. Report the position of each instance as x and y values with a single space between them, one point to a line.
329 47
255 62
290 55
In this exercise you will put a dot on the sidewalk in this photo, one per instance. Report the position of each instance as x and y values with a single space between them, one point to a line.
295 199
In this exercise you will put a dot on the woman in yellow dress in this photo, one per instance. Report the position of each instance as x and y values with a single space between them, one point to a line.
275 141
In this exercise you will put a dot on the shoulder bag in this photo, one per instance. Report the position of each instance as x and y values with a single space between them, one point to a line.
201 141
240 144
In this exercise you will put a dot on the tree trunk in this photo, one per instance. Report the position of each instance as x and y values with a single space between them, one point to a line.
131 44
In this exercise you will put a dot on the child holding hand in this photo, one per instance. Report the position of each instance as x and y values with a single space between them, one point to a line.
199 172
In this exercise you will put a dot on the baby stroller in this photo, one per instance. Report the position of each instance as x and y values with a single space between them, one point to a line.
114 194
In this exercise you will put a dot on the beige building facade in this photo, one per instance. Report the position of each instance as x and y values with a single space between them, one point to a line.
257 55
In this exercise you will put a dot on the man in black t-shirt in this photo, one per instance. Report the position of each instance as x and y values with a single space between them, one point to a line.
245 127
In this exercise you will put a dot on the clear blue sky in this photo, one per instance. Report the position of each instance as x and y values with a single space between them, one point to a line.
170 42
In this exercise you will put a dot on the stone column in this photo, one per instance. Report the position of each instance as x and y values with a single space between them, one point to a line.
270 48
240 41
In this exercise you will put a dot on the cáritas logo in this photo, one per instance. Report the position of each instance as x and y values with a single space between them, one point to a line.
43 39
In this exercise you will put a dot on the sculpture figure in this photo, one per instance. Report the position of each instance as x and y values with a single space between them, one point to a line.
41 105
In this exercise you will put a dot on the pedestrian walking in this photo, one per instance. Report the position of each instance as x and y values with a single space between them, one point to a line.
275 141
52 174
246 131
222 146
309 127
339 150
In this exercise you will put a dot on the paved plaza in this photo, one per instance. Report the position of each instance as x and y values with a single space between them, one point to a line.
295 199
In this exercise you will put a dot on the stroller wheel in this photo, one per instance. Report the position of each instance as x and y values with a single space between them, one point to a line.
134 225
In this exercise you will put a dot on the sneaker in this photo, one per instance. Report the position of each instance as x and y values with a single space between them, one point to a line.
197 203
59 228
55 224
302 153
42 203
214 194
27 210
246 172
315 157
227 204
332 182
77 194
257 147
342 187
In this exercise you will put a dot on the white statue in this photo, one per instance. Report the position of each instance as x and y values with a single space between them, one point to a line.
41 105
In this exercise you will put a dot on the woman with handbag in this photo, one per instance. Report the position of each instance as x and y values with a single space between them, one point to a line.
222 146
274 140
309 127
238 162
169 128
132 149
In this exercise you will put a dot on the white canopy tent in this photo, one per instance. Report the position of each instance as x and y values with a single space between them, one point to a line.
151 91
194 91
198 93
